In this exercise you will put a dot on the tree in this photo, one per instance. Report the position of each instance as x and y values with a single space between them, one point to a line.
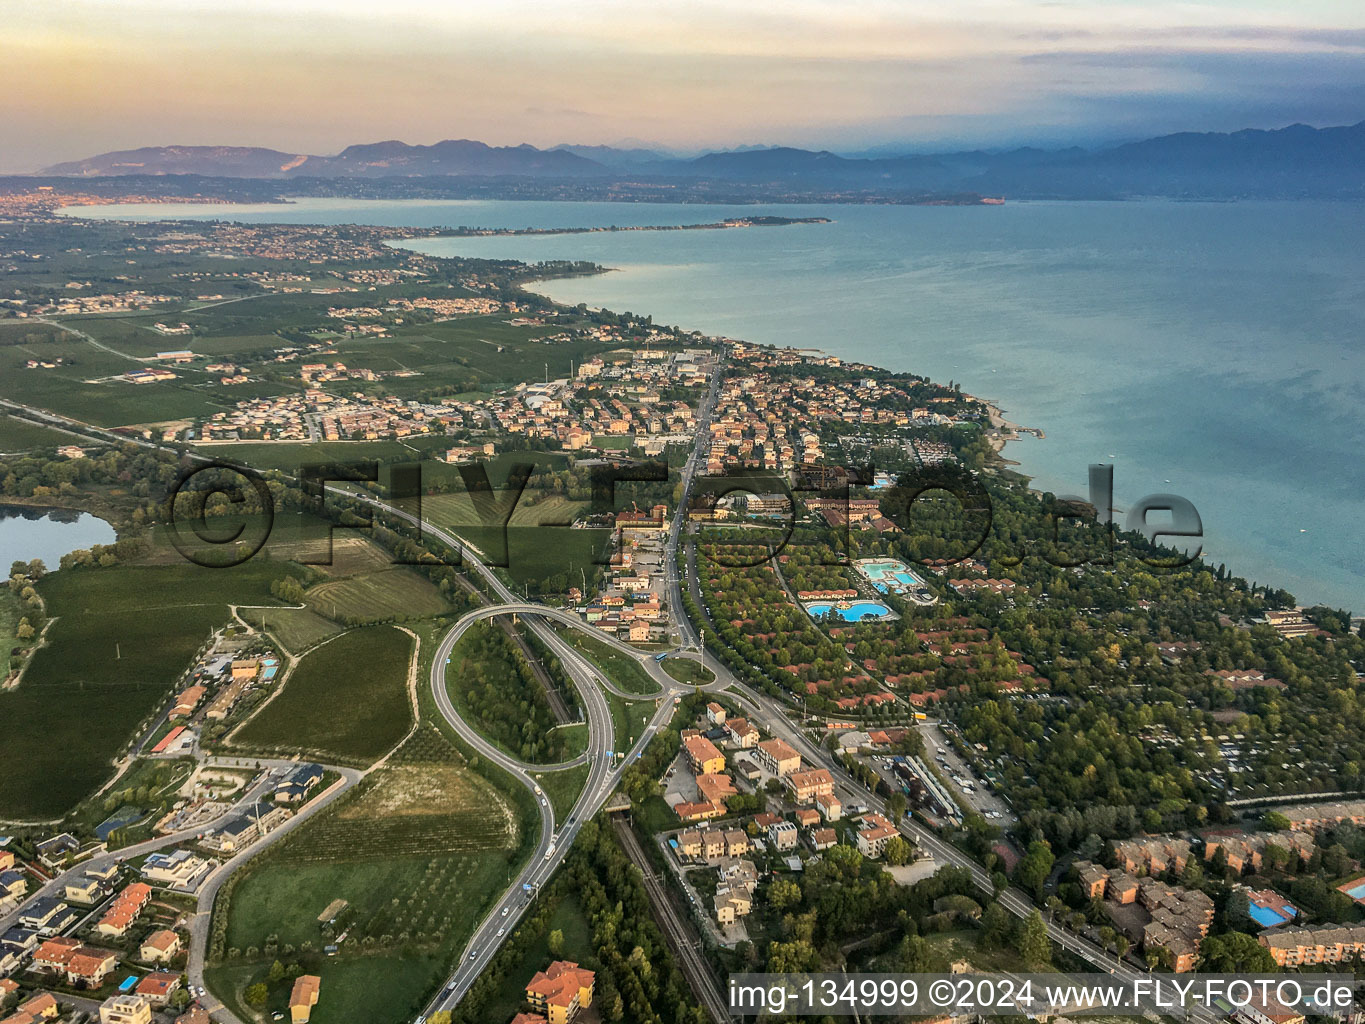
1033 943
257 994
897 851
276 972
556 942
1274 821
783 893
1234 952
1034 868
995 927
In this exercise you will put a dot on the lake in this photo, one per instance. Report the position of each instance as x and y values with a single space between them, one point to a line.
27 533
1213 350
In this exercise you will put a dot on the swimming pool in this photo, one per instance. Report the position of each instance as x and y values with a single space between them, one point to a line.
888 570
855 612
1268 917
1356 892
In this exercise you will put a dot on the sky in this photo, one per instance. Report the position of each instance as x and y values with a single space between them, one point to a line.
81 77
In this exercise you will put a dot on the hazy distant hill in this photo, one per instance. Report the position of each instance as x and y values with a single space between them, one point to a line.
378 159
1294 161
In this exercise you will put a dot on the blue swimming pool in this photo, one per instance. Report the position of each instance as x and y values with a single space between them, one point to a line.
1356 892
855 612
1266 917
883 571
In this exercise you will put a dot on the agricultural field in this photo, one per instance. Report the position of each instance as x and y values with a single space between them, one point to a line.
18 435
418 851
361 679
296 629
121 639
395 593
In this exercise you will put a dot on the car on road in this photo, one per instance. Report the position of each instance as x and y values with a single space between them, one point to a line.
474 954
501 932
505 910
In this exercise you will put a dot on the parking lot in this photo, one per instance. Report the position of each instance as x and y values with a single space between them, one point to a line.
960 777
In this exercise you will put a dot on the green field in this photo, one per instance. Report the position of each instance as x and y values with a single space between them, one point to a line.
121 639
418 851
297 629
563 787
687 670
397 592
18 435
347 699
621 668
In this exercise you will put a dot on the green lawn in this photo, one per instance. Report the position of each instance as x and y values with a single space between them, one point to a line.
687 670
563 787
629 719
347 699
121 639
297 629
621 668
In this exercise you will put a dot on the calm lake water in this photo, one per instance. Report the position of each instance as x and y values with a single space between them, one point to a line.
1213 350
48 533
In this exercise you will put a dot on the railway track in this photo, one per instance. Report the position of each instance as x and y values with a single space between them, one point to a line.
693 964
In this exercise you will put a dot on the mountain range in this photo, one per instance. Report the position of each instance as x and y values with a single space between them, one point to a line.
1299 160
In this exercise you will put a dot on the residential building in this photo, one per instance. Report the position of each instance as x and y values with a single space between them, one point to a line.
783 836
187 701
1319 944
560 991
703 756
829 806
1152 856
777 757
125 1009
715 714
1247 851
158 987
1093 879
741 732
304 997
807 785
121 914
731 904
41 1007
160 946
736 842
180 869
874 832
822 838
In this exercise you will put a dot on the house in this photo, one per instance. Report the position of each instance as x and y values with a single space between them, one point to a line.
43 1006
124 910
187 701
296 785
12 884
180 869
822 838
713 844
807 785
715 714
777 757
160 947
736 842
560 991
1122 887
731 904
90 965
52 852
529 1018
874 832
125 1009
304 997
195 1015
783 835
703 756
1321 944
806 818
741 733
86 890
244 669
6 859
703 811
688 842
47 915
158 987
53 955
716 788
829 806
